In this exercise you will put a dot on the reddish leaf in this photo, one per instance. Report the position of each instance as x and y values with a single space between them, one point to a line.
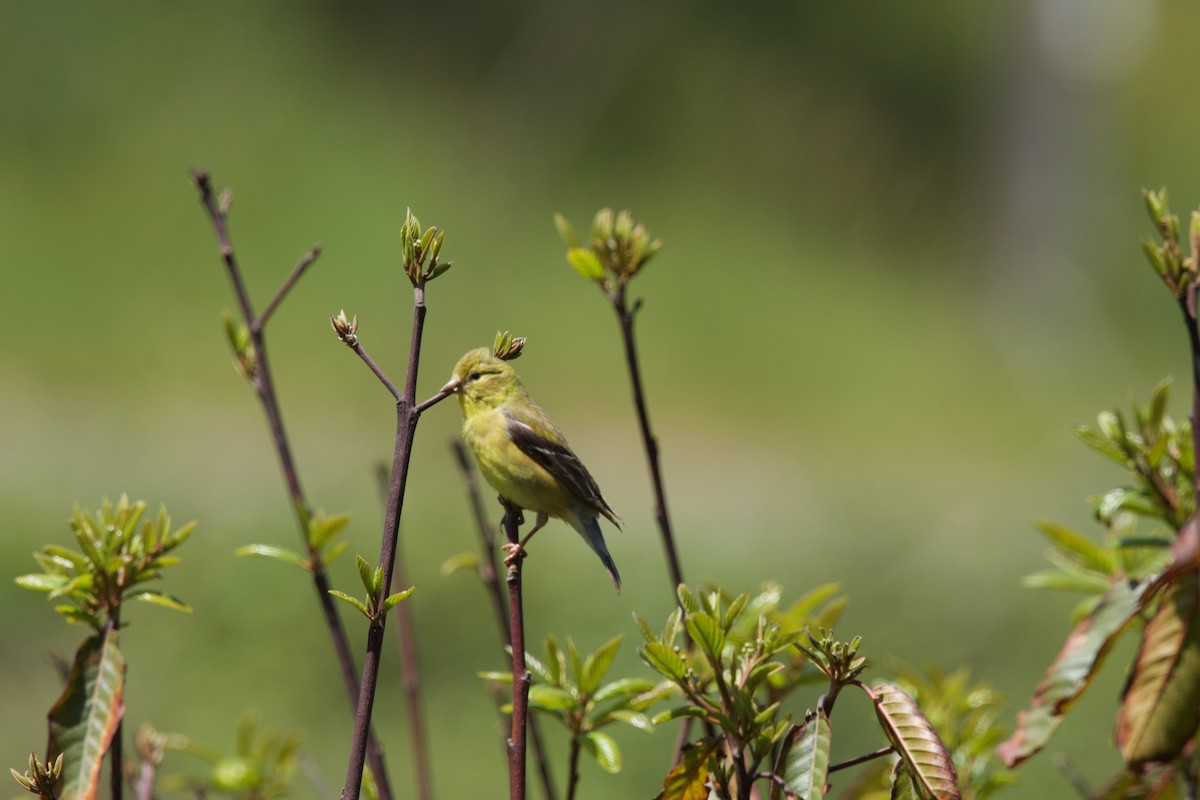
1072 670
922 751
1160 709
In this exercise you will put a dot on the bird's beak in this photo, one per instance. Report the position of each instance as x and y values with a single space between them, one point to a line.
452 386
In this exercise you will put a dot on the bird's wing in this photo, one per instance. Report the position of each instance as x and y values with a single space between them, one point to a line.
557 459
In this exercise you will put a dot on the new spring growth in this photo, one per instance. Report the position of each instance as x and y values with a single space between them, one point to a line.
1167 257
508 347
345 329
40 779
840 661
243 346
618 246
421 250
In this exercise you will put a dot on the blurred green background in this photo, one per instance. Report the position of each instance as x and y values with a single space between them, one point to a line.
901 262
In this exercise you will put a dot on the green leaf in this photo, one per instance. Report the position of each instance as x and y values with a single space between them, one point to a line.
41 582
551 698
1078 547
647 632
396 599
665 660
597 664
354 601
498 677
333 552
365 573
677 713
1101 444
539 669
85 717
916 742
803 762
604 749
556 662
322 529
467 560
687 599
585 263
159 598
1160 709
1072 671
634 719
624 687
1055 579
270 551
706 632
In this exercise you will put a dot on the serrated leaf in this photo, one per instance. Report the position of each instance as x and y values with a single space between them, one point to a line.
706 632
647 632
159 598
664 659
539 669
689 778
270 551
803 762
556 662
604 749
468 560
1072 671
1160 707
85 717
917 743
585 263
597 664
687 599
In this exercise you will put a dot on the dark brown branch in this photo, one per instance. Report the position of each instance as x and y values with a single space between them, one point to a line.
265 389
116 748
520 674
625 316
488 574
1187 304
407 416
384 379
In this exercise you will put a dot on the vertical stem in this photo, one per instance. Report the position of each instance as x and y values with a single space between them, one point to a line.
407 416
488 574
625 317
573 775
521 679
1187 304
410 671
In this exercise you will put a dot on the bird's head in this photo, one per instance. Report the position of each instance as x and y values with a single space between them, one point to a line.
482 381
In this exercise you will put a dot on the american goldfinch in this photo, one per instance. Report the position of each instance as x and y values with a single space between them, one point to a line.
522 453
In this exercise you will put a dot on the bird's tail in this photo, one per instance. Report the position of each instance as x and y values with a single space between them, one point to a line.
589 529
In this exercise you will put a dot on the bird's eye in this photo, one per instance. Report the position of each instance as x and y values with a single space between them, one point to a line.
474 376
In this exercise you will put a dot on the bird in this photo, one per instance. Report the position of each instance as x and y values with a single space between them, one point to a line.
524 456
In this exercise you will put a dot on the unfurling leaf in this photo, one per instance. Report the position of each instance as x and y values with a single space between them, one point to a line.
585 263
604 749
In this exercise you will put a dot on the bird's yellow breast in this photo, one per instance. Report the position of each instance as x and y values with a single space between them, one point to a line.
508 470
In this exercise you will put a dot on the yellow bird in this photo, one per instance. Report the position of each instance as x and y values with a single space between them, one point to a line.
524 456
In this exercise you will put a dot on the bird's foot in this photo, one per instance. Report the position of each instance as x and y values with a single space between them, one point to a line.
513 551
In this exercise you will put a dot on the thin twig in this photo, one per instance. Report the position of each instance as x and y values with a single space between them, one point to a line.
851 762
573 774
625 316
1187 304
265 390
361 352
488 574
305 262
520 674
